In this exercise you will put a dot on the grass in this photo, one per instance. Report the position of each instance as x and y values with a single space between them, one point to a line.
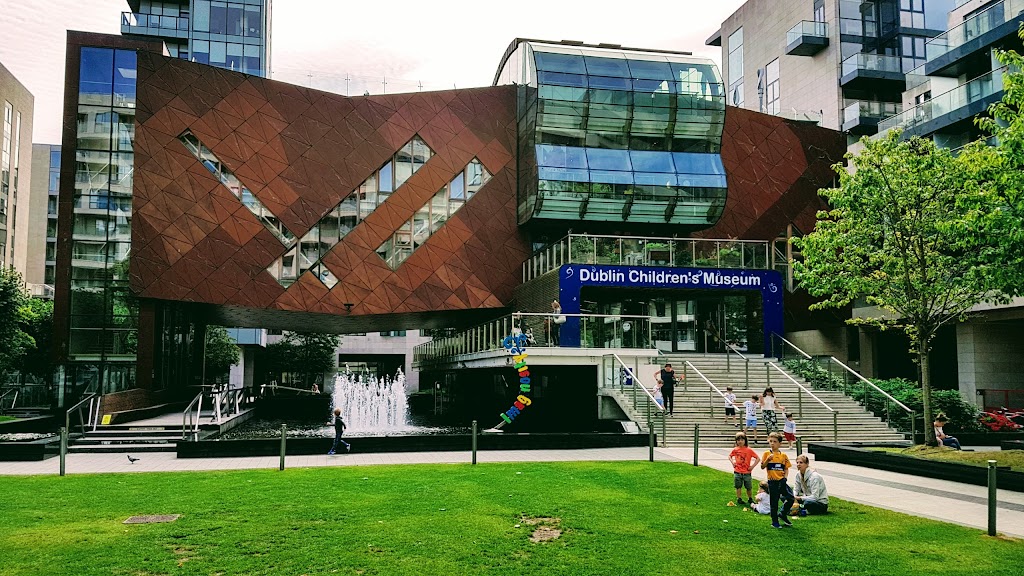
7 418
1012 458
617 518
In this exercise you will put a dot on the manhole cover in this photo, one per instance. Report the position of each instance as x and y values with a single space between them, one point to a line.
152 519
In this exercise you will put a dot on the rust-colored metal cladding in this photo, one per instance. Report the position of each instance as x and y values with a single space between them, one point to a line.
299 152
775 167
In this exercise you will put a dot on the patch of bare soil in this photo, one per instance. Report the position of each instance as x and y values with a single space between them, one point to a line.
547 528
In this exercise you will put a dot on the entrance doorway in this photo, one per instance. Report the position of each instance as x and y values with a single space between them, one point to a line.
686 320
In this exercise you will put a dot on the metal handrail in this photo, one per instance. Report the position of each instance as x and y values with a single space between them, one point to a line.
13 401
90 397
659 411
188 424
801 386
636 381
800 403
711 386
857 375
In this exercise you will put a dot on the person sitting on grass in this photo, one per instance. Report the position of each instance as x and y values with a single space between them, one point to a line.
941 437
763 504
810 488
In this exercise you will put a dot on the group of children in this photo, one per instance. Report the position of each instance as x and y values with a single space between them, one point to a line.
769 405
811 491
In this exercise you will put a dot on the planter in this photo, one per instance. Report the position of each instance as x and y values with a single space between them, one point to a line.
30 450
952 471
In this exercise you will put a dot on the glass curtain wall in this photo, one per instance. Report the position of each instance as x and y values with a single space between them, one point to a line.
6 222
104 315
53 191
625 139
229 35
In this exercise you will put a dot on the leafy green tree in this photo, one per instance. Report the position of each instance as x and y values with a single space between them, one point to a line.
38 324
14 313
221 351
901 235
307 354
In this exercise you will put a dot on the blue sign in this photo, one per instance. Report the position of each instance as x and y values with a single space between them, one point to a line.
573 277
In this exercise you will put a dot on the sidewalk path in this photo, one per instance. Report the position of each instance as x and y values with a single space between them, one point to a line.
951 502
964 504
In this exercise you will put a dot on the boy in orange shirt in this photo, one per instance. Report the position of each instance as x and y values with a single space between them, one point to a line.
742 459
777 464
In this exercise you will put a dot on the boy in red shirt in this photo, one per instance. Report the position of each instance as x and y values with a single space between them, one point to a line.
743 459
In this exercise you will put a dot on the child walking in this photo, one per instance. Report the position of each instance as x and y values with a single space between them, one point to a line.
789 429
750 420
730 406
769 404
742 459
339 428
777 464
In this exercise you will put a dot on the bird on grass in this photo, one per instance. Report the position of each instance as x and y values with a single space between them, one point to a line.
132 460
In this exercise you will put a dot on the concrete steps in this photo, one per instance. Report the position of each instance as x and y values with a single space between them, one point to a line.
126 438
695 403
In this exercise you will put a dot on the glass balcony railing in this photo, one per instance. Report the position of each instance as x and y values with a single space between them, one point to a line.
807 28
647 251
153 21
867 109
982 22
871 63
963 95
596 331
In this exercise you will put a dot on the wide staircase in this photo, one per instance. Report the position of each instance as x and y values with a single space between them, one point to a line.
128 438
821 416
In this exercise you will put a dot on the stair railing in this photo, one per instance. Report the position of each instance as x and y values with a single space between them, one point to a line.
838 376
13 400
800 391
627 376
712 389
86 420
190 417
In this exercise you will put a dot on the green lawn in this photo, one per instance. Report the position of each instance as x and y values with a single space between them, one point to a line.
6 418
617 518
1012 458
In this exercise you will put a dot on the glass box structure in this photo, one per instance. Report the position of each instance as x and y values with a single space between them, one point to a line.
617 135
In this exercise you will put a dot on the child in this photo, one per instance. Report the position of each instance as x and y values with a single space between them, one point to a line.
659 398
730 406
777 464
339 428
751 415
742 459
763 505
789 429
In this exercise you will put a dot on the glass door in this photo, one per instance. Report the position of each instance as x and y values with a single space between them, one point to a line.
685 326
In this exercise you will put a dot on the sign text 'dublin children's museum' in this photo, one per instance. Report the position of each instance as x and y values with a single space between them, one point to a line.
574 277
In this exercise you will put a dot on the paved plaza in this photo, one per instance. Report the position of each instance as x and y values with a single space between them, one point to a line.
941 500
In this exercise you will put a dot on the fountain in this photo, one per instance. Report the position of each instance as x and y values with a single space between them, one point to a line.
372 406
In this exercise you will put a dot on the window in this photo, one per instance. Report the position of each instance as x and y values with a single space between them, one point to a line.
736 68
819 10
912 13
912 52
772 104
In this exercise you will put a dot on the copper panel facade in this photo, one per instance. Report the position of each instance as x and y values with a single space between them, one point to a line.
774 167
300 152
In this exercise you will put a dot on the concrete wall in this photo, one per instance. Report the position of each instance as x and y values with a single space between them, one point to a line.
991 356
373 344
807 83
830 341
35 237
18 211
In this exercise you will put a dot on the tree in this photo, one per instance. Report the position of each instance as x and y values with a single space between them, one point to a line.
221 351
308 354
38 324
903 233
14 303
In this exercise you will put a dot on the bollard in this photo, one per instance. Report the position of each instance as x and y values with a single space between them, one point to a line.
650 437
664 434
696 442
474 442
799 445
991 497
63 448
284 431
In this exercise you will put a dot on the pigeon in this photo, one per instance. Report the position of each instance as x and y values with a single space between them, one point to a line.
132 460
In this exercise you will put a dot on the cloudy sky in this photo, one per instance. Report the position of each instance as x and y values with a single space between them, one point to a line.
319 43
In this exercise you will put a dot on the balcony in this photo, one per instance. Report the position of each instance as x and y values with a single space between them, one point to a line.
862 117
154 25
807 38
875 72
957 106
949 54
